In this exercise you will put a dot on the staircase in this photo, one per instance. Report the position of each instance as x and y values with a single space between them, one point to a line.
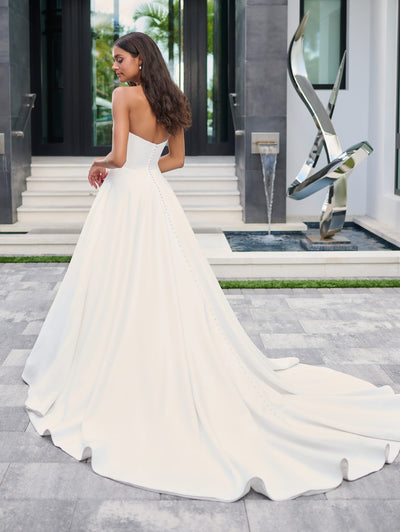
58 197
59 192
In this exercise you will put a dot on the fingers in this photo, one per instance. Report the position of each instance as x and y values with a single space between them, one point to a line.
93 181
97 176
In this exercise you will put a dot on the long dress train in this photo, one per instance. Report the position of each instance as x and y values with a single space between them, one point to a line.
142 365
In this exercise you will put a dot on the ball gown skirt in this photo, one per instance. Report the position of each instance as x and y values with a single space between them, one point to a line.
143 366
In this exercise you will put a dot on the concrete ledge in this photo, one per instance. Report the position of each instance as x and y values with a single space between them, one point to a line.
307 265
379 229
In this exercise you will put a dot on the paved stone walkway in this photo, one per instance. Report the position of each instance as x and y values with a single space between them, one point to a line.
44 489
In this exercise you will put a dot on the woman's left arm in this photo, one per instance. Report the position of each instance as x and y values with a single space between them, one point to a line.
175 158
117 156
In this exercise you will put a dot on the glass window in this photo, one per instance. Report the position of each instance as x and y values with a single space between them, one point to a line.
324 40
52 80
397 178
161 20
217 71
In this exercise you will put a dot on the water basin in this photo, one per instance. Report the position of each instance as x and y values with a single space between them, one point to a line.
284 241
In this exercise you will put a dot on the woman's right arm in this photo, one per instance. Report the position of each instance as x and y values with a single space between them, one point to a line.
176 156
120 131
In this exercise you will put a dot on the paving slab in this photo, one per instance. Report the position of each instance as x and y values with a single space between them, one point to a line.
43 488
65 481
393 370
10 374
17 357
323 516
159 516
36 516
13 394
13 419
27 447
3 469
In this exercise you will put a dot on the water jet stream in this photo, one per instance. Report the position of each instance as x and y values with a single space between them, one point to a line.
269 153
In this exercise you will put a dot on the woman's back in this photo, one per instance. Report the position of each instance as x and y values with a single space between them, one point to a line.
142 120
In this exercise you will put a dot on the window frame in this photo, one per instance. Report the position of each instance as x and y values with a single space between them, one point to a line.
343 43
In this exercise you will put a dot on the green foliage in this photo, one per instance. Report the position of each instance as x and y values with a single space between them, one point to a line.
310 283
37 258
103 82
156 15
103 38
210 26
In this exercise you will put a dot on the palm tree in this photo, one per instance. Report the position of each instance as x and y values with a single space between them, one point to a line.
162 23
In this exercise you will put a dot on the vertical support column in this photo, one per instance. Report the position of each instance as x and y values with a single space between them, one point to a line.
261 80
5 115
14 84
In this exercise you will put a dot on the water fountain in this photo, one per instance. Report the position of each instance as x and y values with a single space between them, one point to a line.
269 155
332 233
267 145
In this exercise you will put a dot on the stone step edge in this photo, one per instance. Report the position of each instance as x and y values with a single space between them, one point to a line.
93 193
72 228
169 177
66 208
87 165
251 257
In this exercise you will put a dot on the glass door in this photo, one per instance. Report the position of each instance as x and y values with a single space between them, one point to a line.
397 173
71 60
161 20
197 42
209 59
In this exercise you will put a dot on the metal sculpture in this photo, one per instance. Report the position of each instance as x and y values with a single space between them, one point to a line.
340 163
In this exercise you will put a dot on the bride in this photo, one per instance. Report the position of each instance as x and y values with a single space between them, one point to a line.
141 365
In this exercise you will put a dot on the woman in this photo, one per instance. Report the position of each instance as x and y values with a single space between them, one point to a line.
141 364
140 110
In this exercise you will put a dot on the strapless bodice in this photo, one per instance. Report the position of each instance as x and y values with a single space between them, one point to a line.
142 153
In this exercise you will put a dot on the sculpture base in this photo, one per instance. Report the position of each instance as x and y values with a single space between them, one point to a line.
336 243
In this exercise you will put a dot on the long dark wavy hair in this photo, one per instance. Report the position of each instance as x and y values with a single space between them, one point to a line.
167 101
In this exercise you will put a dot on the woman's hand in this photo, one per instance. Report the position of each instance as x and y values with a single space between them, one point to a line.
97 175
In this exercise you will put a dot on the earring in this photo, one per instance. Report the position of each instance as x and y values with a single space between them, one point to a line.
140 67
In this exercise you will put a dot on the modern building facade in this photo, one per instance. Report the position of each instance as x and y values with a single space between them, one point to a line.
60 50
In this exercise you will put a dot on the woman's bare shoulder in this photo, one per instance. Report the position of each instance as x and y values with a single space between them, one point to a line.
127 95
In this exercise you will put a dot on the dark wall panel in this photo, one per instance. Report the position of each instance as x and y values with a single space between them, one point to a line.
261 78
14 85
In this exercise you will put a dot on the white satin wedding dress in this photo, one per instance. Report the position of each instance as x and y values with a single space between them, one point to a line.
142 365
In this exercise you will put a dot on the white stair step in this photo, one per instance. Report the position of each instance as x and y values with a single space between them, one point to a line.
38 244
43 198
85 199
205 183
207 169
218 214
81 170
49 184
209 216
58 191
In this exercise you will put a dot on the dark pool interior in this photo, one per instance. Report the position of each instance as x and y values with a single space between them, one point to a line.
362 239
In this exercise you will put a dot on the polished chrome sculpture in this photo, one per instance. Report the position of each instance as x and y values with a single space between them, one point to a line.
340 163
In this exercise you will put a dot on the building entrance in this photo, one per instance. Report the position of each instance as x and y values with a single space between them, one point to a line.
71 59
